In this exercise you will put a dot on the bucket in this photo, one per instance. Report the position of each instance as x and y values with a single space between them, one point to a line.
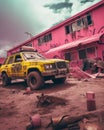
90 95
28 90
91 103
35 120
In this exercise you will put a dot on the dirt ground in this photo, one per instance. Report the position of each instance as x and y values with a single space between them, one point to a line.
16 107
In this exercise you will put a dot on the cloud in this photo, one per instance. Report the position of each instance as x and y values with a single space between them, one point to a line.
59 11
5 45
81 5
85 1
57 8
67 8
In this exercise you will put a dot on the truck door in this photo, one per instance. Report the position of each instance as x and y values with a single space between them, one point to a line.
8 66
17 66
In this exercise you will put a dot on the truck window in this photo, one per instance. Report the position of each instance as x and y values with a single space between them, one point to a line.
10 61
18 58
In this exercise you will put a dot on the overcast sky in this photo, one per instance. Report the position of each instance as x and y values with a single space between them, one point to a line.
33 16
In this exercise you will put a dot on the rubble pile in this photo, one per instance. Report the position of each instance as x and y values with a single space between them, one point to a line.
88 121
76 72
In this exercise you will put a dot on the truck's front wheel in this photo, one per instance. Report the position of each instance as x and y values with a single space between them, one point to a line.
35 80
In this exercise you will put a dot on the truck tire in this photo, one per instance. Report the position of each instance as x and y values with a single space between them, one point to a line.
5 79
59 80
35 80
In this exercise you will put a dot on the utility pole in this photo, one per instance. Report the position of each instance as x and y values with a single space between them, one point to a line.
29 34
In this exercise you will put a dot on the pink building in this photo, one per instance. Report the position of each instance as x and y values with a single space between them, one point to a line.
75 39
2 60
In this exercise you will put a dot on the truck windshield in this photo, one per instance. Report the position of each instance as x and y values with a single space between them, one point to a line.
33 55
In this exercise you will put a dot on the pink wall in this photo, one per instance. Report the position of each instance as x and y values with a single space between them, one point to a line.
2 60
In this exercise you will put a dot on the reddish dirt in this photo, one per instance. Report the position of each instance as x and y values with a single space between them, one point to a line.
16 107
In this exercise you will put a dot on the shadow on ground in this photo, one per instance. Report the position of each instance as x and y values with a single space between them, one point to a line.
49 86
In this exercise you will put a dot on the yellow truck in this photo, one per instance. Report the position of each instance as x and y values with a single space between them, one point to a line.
35 69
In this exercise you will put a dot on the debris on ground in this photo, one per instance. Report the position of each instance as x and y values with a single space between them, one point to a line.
16 108
88 121
28 91
46 100
35 122
82 122
76 72
64 122
86 124
29 127
15 91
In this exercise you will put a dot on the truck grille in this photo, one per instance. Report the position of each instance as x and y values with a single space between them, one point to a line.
61 65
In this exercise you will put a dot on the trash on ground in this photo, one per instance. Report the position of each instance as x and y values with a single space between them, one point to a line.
46 100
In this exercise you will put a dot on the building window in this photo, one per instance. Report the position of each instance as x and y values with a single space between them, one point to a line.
44 39
87 53
50 37
71 56
85 24
67 56
79 24
74 26
82 54
91 52
40 41
68 29
89 19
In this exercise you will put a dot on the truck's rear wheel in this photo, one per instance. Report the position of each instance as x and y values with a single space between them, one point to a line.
35 80
5 79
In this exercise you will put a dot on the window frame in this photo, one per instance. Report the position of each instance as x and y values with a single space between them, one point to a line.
44 39
17 58
8 61
73 26
80 54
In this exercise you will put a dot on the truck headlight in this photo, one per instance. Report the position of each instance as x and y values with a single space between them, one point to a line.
48 66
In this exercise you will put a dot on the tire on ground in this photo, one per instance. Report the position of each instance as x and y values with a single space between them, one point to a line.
35 80
5 79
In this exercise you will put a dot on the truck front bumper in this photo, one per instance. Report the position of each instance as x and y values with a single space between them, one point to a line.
57 73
